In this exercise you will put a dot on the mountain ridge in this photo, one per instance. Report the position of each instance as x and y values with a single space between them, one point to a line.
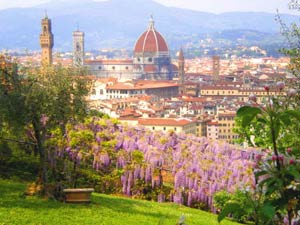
118 23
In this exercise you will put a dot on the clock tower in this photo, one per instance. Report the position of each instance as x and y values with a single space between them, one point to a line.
46 41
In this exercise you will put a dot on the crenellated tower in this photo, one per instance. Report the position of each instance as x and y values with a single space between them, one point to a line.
46 41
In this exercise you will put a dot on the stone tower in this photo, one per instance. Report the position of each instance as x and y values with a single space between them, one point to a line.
46 41
78 48
181 66
216 67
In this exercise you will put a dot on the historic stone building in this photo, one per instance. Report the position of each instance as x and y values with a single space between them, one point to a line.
151 60
78 48
46 41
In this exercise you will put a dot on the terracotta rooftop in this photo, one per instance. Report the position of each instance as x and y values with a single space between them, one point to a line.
140 85
164 122
219 88
213 123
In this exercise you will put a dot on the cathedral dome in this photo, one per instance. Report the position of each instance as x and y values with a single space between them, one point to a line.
151 41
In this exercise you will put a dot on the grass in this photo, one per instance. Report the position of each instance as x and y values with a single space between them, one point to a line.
104 210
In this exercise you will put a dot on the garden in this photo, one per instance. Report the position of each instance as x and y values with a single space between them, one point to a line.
51 141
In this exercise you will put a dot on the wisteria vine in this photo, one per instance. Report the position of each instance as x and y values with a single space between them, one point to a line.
199 167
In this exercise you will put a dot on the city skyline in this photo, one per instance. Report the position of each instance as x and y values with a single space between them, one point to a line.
214 6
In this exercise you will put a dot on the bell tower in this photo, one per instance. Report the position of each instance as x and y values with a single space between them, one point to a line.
181 74
181 66
46 41
78 48
216 67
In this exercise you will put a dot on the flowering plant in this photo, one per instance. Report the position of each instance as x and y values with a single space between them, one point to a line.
163 166
278 169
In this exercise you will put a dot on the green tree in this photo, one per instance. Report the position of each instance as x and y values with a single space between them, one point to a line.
36 100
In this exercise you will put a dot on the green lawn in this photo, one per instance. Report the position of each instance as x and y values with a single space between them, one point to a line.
104 209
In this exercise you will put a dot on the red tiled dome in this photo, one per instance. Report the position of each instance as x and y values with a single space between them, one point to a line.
151 41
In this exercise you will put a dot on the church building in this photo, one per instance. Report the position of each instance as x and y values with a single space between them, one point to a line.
151 60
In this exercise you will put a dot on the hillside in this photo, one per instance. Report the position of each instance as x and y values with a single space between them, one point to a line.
104 209
118 23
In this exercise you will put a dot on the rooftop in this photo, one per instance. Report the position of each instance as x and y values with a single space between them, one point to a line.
140 85
164 122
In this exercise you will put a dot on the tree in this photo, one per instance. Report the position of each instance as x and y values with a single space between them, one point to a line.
35 100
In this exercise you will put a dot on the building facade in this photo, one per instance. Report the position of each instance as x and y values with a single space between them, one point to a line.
151 60
179 125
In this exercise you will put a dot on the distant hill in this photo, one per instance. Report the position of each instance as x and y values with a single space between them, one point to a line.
118 23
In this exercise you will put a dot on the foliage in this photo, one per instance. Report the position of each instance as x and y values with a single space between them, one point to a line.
35 100
221 198
277 170
244 206
236 204
15 208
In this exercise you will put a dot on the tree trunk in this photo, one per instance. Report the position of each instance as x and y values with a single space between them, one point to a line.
75 175
42 154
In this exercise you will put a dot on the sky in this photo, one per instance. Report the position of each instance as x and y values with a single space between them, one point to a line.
215 6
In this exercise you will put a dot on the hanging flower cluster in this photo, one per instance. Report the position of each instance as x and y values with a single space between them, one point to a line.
199 167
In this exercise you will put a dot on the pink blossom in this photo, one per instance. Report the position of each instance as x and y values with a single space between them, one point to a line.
266 87
291 92
292 161
252 97
280 85
274 157
258 157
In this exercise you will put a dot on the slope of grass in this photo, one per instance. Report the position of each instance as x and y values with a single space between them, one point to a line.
104 209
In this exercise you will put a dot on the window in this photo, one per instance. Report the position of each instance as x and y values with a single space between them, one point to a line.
164 128
153 128
101 91
78 47
94 91
113 67
100 67
126 67
149 59
175 128
138 59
